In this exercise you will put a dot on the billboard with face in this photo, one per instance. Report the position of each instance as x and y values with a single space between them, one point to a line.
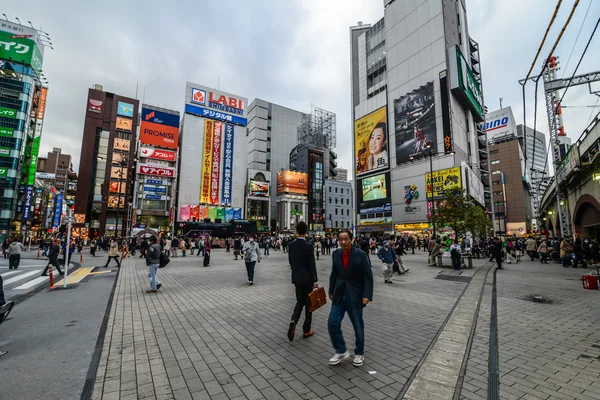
371 142
415 124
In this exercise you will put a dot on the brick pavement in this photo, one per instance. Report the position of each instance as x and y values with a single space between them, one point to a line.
207 334
547 351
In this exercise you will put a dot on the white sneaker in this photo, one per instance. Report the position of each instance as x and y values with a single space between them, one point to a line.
338 358
358 361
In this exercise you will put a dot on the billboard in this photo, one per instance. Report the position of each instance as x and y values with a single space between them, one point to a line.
209 127
150 152
27 204
474 186
42 104
237 213
159 135
216 164
21 50
116 187
8 112
118 173
160 117
227 164
158 171
371 142
414 114
499 124
57 210
124 124
125 109
463 83
443 180
258 189
118 158
6 132
375 194
121 144
292 182
95 106
45 175
116 201
229 214
212 212
184 212
215 104
195 212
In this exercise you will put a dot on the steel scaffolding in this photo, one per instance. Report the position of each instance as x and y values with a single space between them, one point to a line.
318 128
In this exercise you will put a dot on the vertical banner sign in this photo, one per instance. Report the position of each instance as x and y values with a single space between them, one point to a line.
221 213
216 164
184 213
35 149
194 212
227 164
212 213
28 200
229 214
203 212
57 210
207 165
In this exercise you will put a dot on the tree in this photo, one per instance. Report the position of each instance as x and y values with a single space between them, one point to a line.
459 213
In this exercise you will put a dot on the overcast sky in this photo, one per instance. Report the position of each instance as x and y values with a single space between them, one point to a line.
292 52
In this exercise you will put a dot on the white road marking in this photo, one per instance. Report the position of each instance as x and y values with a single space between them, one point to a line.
5 274
21 277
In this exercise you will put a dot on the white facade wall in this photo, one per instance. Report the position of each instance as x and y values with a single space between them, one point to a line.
342 192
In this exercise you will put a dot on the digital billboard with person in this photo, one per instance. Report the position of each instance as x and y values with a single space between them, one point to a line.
371 142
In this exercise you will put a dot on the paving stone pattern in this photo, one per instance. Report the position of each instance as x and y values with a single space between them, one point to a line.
547 351
208 335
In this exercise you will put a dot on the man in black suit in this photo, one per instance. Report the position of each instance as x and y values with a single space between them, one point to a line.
304 276
350 289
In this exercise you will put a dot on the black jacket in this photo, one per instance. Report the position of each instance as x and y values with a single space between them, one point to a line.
302 260
54 252
497 250
358 278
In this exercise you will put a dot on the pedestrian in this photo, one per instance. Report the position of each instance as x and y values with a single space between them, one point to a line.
251 256
227 246
153 263
497 253
579 253
267 244
14 253
531 248
113 253
192 246
304 278
350 289
124 249
318 248
206 251
167 247
435 245
565 251
93 246
183 247
174 246
53 254
455 255
237 247
5 245
200 245
132 245
587 252
543 252
388 256
284 245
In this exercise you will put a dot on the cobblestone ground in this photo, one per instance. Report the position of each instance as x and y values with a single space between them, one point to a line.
547 351
207 334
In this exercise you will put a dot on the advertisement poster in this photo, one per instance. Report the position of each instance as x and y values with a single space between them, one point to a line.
475 186
216 164
229 214
375 194
259 189
57 210
118 158
184 213
159 135
292 182
203 212
443 180
157 154
116 202
125 109
114 187
152 170
227 164
212 213
124 124
237 213
27 204
160 117
209 127
371 142
121 144
415 124
118 173
221 213
194 212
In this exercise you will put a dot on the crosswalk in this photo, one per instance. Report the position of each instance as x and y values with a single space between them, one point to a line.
23 280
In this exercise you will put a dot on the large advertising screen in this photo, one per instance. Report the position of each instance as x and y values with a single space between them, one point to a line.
292 182
375 194
443 180
125 109
124 124
159 135
415 124
122 144
259 189
371 142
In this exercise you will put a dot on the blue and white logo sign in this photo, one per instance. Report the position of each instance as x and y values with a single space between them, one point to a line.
154 197
125 109
155 181
155 189
206 113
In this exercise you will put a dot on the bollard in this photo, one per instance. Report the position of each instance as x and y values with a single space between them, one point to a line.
80 257
38 256
469 262
51 272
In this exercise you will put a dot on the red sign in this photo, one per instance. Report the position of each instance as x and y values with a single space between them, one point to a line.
216 164
95 106
195 212
42 105
159 135
150 152
226 101
150 170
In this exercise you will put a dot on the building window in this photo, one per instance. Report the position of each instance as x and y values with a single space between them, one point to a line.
336 190
336 200
496 182
495 162
329 199
336 213
495 151
347 202
336 224
347 211
329 216
347 224
330 188
347 191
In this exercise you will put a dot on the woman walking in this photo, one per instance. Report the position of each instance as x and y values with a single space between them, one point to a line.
543 252
113 253
251 256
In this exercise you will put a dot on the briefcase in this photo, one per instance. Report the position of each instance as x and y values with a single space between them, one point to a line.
316 299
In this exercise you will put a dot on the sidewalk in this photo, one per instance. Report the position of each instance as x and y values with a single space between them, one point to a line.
207 334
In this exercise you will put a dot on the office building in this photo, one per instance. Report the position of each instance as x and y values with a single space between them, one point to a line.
23 91
339 209
416 97
272 134
212 155
56 169
341 174
106 168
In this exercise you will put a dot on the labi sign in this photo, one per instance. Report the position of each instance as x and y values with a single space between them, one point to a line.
8 112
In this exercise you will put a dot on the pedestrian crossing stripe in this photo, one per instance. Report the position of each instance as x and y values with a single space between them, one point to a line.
21 277
76 276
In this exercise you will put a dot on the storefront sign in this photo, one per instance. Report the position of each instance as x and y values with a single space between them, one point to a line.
95 106
155 189
6 132
463 82
150 152
21 50
27 204
154 197
209 127
8 112
442 180
125 109
4 151
57 210
150 170
206 113
227 164
124 124
418 226
42 105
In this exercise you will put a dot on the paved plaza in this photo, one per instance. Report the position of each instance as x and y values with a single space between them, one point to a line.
208 335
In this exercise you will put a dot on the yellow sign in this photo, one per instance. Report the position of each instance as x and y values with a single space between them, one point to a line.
209 131
371 142
412 227
443 180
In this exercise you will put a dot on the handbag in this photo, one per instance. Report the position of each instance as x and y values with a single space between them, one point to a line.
164 260
316 299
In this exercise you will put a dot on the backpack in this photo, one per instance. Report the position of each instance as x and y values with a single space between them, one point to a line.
164 260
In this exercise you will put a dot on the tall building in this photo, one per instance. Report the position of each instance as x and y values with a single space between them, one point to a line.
212 156
106 167
272 134
536 142
341 174
56 169
23 92
156 169
339 208
416 101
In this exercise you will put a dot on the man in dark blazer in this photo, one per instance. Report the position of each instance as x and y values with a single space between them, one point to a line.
304 276
350 289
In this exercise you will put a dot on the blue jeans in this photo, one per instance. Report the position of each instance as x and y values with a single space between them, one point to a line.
152 269
335 325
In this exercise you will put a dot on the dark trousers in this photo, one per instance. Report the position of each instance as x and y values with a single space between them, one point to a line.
2 300
334 325
55 264
578 259
455 256
116 258
302 291
206 258
13 261
544 257
498 260
328 249
250 269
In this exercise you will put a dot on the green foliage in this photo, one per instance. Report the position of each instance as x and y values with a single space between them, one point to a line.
459 213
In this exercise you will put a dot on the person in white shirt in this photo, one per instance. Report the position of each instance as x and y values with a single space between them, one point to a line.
455 255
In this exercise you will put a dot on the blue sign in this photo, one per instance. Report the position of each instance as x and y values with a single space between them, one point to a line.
57 210
125 109
228 214
372 210
227 165
159 117
27 204
160 189
237 213
153 197
206 113
155 182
